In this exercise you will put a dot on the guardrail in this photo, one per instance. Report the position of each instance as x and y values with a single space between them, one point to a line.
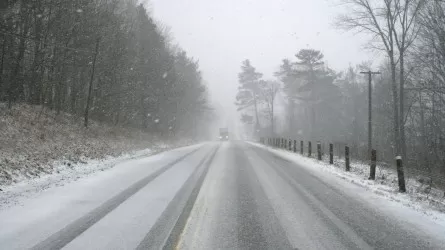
291 145
342 150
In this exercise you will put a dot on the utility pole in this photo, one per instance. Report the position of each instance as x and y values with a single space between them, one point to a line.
370 73
90 88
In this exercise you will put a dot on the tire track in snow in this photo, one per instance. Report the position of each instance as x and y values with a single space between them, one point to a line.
64 236
167 231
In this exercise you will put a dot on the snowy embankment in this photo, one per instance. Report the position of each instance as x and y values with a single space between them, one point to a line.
419 196
39 149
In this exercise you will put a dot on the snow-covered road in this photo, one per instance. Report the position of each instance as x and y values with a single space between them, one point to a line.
217 195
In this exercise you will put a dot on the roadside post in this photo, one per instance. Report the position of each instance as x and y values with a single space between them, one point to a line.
331 153
309 149
400 174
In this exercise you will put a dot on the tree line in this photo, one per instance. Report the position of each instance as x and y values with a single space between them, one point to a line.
408 97
104 59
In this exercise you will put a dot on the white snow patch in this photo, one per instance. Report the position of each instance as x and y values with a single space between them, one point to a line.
47 211
64 173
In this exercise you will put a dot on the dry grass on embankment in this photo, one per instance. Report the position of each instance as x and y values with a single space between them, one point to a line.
33 141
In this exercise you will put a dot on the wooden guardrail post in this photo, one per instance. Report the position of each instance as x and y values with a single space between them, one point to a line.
319 151
400 174
301 147
331 153
309 149
290 145
348 167
295 146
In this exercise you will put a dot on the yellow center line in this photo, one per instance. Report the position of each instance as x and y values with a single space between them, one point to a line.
178 243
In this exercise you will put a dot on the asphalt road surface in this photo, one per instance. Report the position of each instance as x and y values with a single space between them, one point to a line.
220 195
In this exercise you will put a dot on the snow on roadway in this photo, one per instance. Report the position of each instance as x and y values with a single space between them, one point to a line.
35 217
13 195
127 225
413 213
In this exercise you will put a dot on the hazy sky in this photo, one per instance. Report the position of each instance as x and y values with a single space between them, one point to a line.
222 33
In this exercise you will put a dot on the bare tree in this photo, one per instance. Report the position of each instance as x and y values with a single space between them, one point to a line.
249 90
393 26
269 92
405 30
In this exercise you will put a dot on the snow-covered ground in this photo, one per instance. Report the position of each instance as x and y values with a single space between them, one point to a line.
37 216
65 172
431 205
35 142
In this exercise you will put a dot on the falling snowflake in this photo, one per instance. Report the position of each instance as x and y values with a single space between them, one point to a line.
39 15
165 75
157 121
148 115
79 10
170 128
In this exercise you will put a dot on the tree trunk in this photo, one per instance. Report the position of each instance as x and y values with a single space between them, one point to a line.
395 105
143 112
33 84
14 82
58 96
402 104
272 122
424 151
90 88
257 122
73 98
313 126
1 66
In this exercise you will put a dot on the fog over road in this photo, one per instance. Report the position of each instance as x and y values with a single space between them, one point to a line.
215 195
